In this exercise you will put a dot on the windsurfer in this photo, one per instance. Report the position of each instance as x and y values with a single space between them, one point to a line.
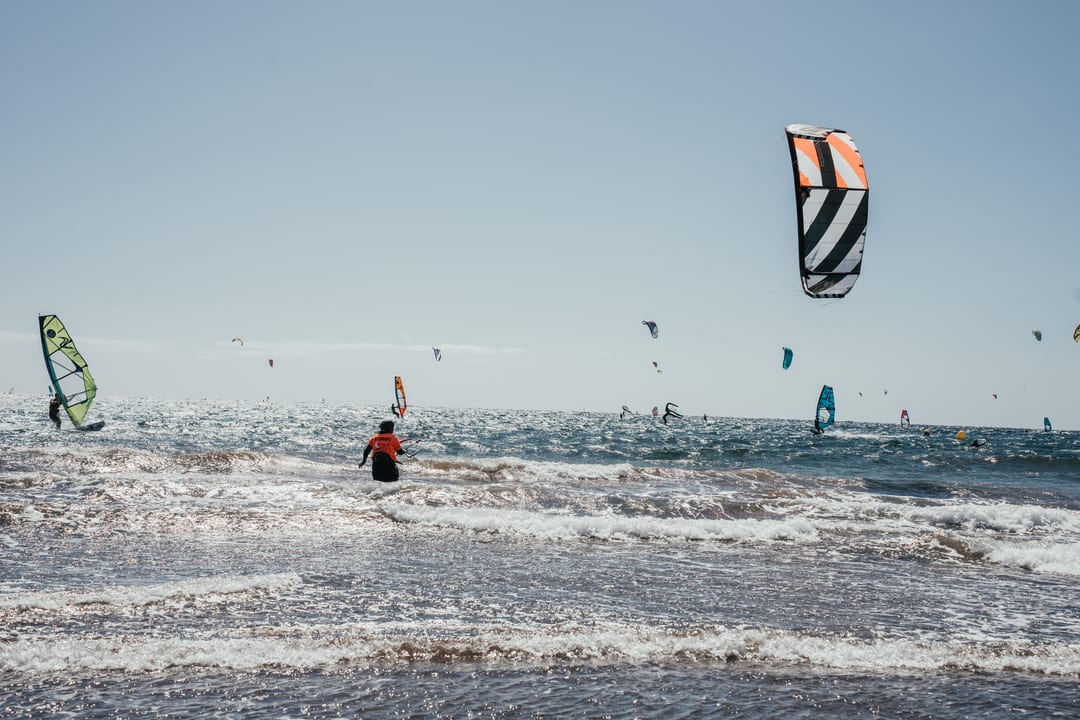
54 409
386 446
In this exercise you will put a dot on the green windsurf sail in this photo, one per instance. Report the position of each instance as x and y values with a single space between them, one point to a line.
68 371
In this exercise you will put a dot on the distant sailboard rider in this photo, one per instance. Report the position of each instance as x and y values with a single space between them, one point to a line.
54 409
385 446
671 410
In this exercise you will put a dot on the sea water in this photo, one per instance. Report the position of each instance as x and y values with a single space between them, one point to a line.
229 560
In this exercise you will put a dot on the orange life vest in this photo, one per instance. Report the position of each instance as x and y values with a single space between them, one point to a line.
385 443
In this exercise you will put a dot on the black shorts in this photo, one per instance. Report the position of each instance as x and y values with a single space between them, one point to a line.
383 468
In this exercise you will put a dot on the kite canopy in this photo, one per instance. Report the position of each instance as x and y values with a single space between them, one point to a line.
1076 334
239 340
1037 334
831 201
788 354
653 330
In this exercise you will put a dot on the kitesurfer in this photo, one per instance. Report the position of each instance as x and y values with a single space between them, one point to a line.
54 409
385 446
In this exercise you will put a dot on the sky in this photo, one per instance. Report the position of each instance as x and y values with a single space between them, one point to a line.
347 184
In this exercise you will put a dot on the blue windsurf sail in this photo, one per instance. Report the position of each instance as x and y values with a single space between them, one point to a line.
1046 424
826 409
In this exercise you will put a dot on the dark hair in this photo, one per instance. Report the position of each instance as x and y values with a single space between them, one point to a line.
386 426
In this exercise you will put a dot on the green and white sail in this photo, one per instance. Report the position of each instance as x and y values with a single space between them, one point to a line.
68 371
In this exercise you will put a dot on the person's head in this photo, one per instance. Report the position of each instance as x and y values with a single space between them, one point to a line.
386 426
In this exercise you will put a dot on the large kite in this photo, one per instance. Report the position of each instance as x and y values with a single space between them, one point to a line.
831 201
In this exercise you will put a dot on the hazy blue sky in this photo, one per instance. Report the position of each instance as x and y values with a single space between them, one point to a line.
346 184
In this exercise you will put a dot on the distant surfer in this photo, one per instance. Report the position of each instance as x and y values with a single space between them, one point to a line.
385 447
54 409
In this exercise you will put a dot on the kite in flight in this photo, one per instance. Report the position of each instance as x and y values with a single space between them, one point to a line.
239 340
831 202
1076 334
438 354
658 370
1037 334
271 362
787 357
653 330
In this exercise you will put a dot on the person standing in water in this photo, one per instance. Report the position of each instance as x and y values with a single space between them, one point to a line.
385 447
54 409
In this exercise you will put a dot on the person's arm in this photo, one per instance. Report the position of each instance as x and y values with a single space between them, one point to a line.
367 451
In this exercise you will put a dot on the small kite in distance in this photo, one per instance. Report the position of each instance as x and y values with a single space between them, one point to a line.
787 357
438 354
1037 334
271 362
239 340
653 330
658 370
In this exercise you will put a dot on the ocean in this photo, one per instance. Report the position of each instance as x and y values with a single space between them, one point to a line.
229 560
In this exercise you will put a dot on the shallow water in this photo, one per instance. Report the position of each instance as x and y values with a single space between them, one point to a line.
229 560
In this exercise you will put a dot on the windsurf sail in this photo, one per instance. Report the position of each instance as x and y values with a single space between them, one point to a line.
671 410
399 396
905 421
1046 424
832 199
826 409
71 378
653 330
787 357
